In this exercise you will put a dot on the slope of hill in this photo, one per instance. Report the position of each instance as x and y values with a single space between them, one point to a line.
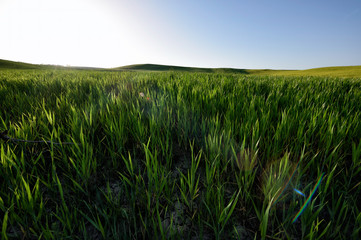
158 67
342 71
346 71
5 64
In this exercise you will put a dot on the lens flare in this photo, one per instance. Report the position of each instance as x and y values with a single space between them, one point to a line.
299 192
309 198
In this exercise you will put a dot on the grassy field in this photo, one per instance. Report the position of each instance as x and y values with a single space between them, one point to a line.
344 71
159 155
349 71
6 65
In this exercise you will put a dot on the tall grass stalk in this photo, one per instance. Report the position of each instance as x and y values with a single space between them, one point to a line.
196 155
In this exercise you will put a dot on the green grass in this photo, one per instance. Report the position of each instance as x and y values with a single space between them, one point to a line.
204 155
6 64
347 71
158 67
344 71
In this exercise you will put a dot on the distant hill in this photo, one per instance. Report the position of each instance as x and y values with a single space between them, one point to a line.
6 64
157 67
346 71
342 71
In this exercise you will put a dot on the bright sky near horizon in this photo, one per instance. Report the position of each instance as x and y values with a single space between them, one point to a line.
278 34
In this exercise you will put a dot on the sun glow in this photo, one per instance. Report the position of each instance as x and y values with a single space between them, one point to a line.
84 32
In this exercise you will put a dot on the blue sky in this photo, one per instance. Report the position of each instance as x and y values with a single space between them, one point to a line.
241 34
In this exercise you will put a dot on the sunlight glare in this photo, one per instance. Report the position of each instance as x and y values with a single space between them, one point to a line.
87 33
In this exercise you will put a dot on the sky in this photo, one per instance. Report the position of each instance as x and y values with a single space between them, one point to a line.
254 34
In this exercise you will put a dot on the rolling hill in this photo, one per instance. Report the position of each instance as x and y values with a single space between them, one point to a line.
6 64
158 67
342 71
